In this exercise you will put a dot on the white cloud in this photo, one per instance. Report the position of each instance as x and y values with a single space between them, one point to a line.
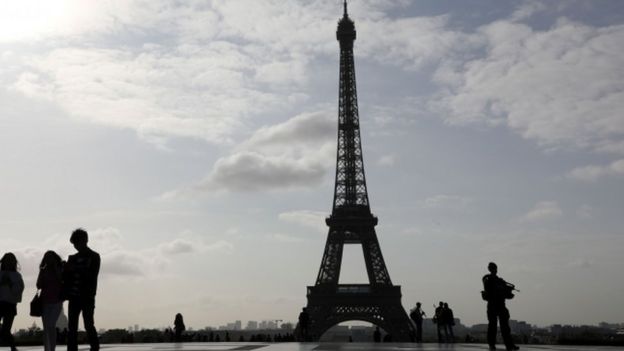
118 260
301 131
562 87
285 238
199 91
593 173
177 246
307 218
200 70
249 171
387 160
447 201
296 153
543 210
527 9
411 42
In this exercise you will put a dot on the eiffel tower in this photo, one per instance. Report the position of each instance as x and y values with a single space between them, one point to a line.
352 222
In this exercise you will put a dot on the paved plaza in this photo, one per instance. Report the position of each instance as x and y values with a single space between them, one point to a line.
233 346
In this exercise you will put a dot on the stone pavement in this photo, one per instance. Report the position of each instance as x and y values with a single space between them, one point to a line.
249 346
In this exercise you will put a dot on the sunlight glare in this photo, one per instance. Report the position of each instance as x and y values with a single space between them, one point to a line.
34 19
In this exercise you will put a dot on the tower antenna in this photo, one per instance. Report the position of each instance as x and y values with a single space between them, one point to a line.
345 8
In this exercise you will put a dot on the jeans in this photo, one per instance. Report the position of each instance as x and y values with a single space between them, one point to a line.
49 317
87 307
7 315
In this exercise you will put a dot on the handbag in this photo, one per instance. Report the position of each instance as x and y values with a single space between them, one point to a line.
36 306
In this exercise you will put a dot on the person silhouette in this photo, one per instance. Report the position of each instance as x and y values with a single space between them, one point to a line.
417 315
50 282
438 318
80 278
304 320
178 327
11 289
495 292
377 335
449 322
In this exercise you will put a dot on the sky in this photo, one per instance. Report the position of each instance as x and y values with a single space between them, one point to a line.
195 142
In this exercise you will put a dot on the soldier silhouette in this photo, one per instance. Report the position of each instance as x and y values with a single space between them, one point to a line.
495 292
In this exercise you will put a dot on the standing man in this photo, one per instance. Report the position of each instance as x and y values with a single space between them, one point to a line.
449 322
417 315
495 292
438 318
304 320
80 284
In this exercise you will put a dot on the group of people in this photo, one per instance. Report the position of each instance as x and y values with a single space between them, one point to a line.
495 292
445 320
443 317
74 281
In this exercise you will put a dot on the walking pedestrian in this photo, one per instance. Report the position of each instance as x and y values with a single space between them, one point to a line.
11 289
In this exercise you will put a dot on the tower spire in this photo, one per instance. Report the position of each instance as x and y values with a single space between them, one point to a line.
345 8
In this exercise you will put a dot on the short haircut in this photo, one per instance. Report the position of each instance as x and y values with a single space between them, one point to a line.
79 235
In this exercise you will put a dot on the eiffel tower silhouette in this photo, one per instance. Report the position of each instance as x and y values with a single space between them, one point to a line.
352 222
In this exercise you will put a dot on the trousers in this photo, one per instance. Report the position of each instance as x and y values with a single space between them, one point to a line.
498 313
87 307
49 316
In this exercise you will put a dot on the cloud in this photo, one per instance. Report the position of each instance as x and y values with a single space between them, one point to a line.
593 173
187 91
387 160
250 171
544 210
119 260
296 153
307 218
446 201
177 246
285 238
562 87
308 128
181 246
411 42
192 69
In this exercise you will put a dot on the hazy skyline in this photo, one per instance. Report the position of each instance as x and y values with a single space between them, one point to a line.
195 141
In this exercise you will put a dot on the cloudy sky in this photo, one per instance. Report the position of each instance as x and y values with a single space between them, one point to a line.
195 141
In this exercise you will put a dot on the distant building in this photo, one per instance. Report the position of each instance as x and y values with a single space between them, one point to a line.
268 325
251 325
61 323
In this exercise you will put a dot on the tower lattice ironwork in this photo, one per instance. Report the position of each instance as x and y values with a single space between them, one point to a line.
352 222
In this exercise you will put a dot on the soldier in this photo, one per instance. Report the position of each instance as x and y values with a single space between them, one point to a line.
495 292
